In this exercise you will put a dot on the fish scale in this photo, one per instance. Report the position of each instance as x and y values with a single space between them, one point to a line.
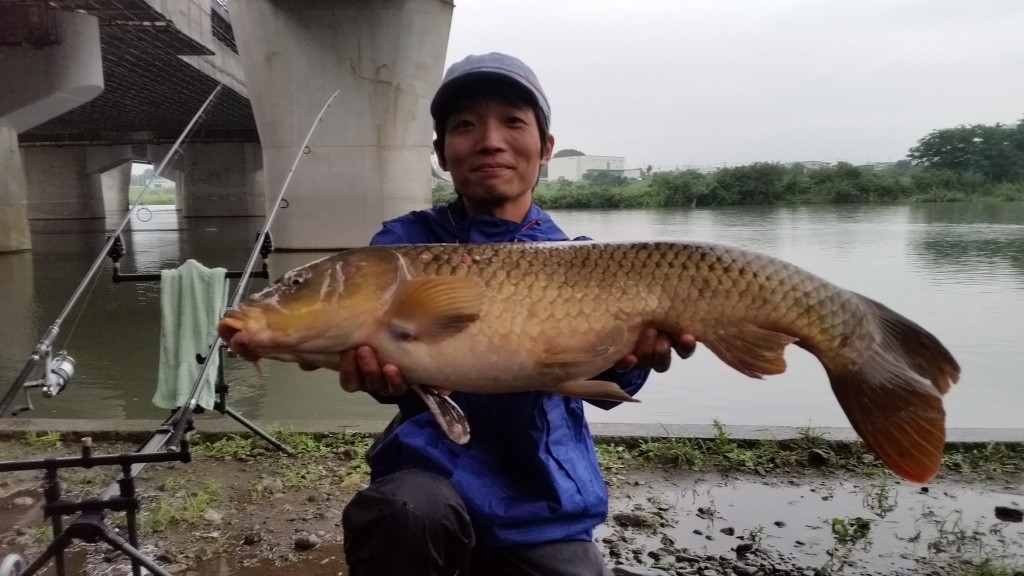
550 316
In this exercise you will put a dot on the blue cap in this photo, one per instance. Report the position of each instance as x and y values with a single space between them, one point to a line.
494 63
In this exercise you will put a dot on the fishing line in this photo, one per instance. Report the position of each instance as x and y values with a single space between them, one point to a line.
185 411
44 347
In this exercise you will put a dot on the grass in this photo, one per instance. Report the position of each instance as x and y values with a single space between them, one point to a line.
49 440
178 503
808 450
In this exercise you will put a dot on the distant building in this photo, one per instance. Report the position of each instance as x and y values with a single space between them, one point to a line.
809 164
572 168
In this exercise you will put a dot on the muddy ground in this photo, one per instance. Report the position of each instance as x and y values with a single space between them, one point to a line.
240 507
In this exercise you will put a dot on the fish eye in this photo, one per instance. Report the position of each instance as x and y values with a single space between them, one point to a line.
295 279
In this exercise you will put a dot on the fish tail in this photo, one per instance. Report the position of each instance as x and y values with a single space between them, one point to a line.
893 398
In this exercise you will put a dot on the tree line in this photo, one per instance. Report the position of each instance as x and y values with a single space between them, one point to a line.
946 165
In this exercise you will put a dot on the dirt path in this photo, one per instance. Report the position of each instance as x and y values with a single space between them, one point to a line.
242 508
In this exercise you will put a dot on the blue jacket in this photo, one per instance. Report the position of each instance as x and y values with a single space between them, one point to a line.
529 473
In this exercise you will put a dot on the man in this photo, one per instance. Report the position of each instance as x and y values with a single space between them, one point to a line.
523 496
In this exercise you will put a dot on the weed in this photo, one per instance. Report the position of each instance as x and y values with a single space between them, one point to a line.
231 446
850 530
49 440
178 504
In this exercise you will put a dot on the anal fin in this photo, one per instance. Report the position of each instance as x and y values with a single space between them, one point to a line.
594 390
753 351
447 413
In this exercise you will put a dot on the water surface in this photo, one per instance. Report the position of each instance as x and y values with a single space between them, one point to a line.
957 269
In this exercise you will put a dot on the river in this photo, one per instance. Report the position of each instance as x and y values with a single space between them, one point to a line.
957 269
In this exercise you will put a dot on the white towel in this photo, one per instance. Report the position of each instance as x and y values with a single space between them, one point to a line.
192 300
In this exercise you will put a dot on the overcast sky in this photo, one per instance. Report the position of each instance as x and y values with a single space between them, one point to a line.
707 82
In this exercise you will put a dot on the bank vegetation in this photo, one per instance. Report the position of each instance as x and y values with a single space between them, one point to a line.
965 163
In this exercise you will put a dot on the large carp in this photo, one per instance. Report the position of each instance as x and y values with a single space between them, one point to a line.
510 317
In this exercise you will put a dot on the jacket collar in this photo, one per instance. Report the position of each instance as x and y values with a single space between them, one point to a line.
537 225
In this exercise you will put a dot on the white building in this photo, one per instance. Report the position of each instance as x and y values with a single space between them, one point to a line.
573 168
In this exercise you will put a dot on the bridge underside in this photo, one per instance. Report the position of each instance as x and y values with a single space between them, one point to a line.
150 93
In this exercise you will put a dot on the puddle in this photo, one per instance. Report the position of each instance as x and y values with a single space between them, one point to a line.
881 527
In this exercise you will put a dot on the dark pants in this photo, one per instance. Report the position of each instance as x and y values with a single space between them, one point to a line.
413 523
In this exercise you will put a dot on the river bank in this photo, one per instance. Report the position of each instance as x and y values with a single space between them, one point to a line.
680 506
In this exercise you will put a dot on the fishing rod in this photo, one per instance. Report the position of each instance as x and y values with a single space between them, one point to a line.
61 368
184 414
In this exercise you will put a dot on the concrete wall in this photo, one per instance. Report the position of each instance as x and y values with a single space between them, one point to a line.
40 84
193 18
68 181
14 230
369 159
222 180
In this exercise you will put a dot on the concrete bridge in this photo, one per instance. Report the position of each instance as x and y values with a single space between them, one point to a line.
92 85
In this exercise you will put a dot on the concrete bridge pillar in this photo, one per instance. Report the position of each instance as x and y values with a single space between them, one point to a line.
14 231
69 182
369 160
223 179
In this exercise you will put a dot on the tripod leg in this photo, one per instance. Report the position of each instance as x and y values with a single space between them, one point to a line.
54 549
119 543
256 430
133 539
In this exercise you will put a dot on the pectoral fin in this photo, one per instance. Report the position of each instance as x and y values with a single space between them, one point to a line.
584 349
594 390
447 413
435 307
753 351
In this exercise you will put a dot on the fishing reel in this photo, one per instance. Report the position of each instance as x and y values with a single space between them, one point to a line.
13 565
59 370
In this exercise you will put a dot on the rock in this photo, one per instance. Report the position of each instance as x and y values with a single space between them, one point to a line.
818 457
175 568
1007 514
273 485
306 541
213 517
686 558
744 548
636 519
728 531
780 523
638 571
253 536
22 501
741 570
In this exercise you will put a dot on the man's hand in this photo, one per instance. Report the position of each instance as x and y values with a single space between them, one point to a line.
654 350
359 370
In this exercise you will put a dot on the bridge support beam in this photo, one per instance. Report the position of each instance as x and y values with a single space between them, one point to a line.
369 160
69 182
14 231
221 180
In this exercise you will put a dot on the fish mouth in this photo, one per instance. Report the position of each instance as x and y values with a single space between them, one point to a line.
232 330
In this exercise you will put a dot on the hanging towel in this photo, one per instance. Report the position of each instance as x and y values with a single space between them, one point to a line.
192 299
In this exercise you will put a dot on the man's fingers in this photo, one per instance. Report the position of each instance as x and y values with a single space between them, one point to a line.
348 373
626 363
645 344
373 379
394 380
661 358
686 346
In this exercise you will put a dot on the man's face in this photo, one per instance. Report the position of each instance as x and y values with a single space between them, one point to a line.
493 152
